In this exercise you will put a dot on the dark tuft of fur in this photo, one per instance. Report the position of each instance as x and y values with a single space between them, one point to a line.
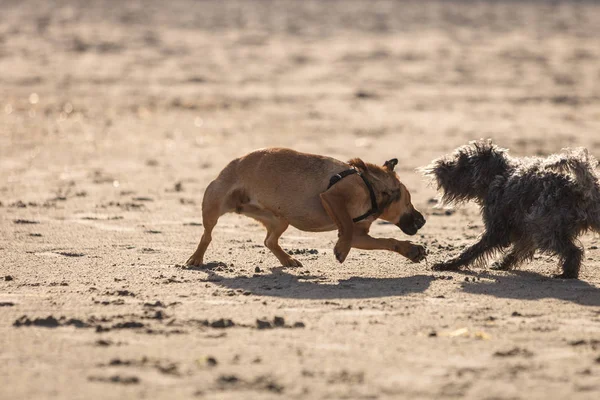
527 204
467 173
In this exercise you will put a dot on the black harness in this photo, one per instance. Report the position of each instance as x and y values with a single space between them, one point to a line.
374 208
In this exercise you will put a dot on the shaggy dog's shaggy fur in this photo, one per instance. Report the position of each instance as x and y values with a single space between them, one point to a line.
527 204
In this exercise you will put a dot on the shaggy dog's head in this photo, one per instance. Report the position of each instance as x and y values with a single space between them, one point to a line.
468 173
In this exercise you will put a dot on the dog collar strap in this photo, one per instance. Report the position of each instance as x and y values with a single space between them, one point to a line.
374 208
338 177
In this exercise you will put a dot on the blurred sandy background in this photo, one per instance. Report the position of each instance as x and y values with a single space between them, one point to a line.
115 115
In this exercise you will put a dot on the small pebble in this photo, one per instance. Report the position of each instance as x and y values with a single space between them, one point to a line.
211 361
263 324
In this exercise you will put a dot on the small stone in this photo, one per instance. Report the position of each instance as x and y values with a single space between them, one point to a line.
8 278
211 361
228 379
257 269
263 324
222 323
514 352
278 321
299 324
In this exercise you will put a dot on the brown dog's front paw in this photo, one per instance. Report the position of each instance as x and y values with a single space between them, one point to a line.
416 253
194 261
444 266
341 251
291 263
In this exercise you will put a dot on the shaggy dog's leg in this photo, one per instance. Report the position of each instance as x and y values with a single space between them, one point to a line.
571 262
472 253
507 262
362 240
514 257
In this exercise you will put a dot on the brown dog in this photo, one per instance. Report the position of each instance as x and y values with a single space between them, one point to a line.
282 187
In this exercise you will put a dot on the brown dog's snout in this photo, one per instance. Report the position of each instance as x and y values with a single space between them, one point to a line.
411 223
419 220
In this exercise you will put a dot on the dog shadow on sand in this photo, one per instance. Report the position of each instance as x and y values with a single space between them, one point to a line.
521 285
279 283
527 285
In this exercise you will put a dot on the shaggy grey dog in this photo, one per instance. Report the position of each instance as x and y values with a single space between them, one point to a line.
527 204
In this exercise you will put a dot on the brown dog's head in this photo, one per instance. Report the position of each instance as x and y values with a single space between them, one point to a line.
393 198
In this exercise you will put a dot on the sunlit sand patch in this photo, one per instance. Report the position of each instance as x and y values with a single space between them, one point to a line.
60 253
103 226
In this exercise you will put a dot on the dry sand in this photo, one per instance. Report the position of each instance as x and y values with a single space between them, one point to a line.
114 117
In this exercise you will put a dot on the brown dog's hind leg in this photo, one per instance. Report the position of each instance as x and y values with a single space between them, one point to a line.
275 228
209 220
362 240
212 209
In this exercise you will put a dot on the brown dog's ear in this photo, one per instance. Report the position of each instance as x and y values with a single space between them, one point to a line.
358 164
390 164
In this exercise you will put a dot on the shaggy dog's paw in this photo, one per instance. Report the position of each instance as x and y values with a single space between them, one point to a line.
291 263
498 266
416 253
565 275
341 251
444 266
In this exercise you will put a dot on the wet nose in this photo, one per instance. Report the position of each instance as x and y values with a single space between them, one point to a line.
419 220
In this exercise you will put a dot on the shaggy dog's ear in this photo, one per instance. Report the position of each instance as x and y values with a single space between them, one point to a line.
390 164
358 164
